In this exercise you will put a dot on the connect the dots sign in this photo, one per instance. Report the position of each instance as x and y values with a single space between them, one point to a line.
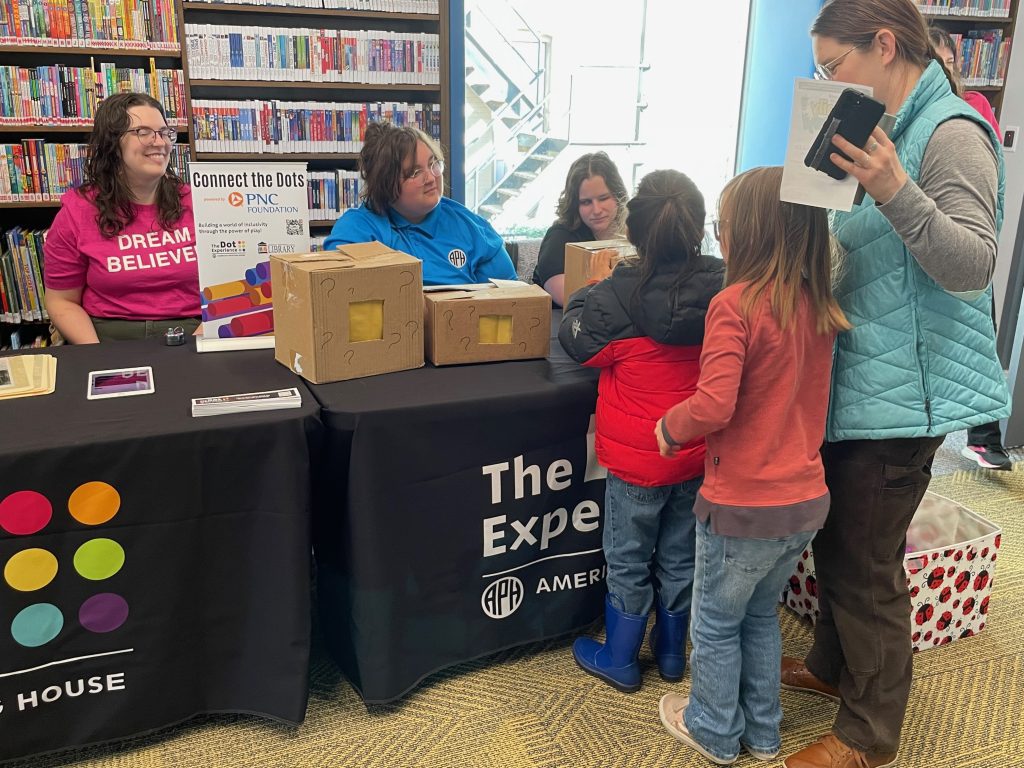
33 569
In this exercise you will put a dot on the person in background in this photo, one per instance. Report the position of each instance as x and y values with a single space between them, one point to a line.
404 208
761 402
985 442
643 327
120 257
919 362
591 207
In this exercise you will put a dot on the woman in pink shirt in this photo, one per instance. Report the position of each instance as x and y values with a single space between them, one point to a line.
120 257
761 401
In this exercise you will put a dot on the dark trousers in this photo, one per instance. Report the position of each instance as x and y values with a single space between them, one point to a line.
131 330
987 435
862 638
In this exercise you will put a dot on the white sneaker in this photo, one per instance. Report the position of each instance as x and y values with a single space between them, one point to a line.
671 709
766 756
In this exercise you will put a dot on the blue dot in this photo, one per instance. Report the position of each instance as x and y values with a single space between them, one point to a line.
37 625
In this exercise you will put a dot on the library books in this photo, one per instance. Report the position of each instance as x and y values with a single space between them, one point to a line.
21 277
115 24
299 126
984 55
225 52
27 375
994 8
331 192
384 6
268 400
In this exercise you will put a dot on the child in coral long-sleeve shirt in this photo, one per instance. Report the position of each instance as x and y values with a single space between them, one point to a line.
761 401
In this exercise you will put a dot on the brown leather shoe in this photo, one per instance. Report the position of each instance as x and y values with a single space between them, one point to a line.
830 752
796 677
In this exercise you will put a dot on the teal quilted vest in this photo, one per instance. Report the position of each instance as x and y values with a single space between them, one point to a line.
919 360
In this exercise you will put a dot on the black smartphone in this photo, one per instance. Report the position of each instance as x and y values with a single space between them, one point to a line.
853 117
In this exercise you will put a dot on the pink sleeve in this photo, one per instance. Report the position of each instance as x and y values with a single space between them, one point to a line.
64 265
981 104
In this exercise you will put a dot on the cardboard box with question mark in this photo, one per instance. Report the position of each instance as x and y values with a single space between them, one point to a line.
344 314
480 326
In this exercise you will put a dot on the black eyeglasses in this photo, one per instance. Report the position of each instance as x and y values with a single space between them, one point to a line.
148 135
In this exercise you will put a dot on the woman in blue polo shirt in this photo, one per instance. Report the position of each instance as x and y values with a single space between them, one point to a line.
404 207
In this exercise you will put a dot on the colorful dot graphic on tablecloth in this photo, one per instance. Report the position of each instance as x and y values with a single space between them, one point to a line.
104 612
30 569
25 512
94 503
37 625
99 559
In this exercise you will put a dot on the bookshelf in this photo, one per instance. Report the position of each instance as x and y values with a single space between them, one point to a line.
984 30
154 34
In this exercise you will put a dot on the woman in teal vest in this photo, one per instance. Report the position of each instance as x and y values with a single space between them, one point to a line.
919 362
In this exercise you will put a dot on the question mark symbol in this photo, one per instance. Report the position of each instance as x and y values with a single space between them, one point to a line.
472 311
325 281
349 355
522 346
408 282
513 305
351 290
534 324
448 316
415 327
327 336
465 343
398 338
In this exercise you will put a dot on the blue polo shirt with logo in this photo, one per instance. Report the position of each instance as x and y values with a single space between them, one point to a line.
455 245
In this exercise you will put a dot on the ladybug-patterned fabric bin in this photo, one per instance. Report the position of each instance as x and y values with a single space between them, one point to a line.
950 563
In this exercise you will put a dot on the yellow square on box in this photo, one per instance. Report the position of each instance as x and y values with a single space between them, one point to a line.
495 329
365 320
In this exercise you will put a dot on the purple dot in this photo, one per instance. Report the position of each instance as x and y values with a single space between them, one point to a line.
104 612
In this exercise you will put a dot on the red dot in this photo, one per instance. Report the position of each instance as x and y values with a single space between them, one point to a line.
25 512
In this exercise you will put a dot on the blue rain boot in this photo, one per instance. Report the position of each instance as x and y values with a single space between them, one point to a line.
668 643
615 662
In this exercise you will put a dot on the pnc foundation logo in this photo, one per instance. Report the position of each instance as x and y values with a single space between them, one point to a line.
30 570
236 199
502 597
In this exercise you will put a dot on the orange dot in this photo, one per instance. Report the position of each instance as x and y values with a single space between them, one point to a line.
94 503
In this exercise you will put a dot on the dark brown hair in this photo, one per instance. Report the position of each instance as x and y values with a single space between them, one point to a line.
386 148
940 38
591 164
104 168
666 224
856 22
776 246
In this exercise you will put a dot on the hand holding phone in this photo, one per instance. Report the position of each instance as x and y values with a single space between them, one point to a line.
854 116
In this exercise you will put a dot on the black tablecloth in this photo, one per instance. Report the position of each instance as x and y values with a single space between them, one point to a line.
425 555
213 524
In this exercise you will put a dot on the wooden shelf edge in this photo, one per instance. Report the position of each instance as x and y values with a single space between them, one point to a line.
1001 20
30 204
275 156
62 128
277 10
174 53
301 85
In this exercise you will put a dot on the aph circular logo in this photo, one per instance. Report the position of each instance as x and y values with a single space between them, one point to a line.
502 597
235 199
457 258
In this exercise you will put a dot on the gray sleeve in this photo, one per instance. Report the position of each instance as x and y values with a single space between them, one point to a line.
948 219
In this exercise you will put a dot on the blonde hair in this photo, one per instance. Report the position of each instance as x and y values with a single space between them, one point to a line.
778 247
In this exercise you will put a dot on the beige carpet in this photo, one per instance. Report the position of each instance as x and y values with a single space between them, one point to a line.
531 708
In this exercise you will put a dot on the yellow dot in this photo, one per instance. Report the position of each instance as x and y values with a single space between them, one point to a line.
94 503
30 569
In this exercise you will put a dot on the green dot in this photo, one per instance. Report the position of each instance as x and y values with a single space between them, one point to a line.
37 625
99 559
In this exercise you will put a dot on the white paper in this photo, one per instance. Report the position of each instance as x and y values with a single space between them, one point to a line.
812 101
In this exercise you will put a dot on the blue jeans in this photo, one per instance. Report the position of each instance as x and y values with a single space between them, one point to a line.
649 531
737 646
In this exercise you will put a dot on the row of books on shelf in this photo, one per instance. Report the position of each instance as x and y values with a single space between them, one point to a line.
993 8
984 55
94 23
330 193
67 96
384 6
36 170
223 52
21 276
300 126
